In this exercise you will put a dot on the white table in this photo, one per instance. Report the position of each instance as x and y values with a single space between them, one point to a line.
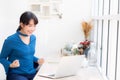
87 73
84 73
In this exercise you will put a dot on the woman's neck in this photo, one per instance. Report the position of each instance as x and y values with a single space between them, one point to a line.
22 34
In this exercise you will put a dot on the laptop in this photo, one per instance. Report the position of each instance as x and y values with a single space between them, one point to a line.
67 66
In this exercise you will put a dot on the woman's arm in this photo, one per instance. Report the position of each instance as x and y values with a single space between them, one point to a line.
6 50
39 61
35 59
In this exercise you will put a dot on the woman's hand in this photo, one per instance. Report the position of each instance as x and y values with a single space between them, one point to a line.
15 64
40 61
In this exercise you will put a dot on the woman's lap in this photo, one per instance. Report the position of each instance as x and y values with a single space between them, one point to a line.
20 77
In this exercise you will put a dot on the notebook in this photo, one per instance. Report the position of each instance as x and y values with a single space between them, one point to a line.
67 66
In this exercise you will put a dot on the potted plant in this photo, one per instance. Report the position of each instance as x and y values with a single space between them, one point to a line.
87 27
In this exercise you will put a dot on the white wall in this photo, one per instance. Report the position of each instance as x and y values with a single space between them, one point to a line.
10 11
52 34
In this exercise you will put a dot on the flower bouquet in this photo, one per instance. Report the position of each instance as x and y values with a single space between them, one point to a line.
86 46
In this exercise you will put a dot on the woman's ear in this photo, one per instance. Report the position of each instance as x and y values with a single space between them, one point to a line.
21 24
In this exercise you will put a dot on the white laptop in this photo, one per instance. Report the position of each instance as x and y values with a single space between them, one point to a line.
68 66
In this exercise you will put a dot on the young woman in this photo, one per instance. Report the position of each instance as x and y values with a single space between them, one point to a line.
17 55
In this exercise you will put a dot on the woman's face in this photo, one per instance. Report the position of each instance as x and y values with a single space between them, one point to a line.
28 29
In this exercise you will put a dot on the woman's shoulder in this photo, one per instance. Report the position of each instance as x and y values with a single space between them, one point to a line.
33 37
12 37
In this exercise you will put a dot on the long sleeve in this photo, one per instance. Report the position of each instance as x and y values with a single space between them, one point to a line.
6 49
35 59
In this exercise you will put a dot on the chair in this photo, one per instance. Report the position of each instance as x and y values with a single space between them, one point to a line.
2 72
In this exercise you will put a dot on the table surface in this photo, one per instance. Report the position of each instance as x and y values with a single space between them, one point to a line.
84 73
87 73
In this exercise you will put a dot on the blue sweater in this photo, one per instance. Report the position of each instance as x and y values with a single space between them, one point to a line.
14 48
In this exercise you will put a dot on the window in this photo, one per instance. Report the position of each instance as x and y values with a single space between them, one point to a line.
107 37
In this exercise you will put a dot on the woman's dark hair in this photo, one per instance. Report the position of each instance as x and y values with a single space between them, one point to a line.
26 17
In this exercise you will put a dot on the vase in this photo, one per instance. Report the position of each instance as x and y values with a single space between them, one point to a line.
92 58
